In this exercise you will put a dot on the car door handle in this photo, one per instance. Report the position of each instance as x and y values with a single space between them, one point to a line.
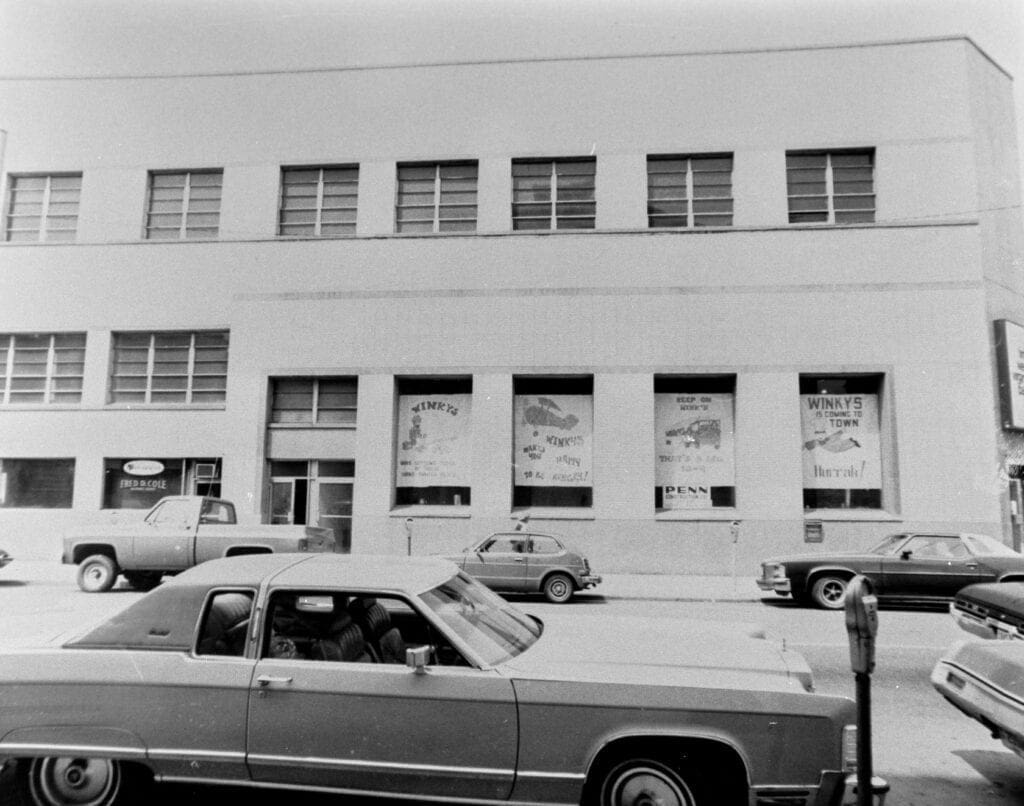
266 680
520 559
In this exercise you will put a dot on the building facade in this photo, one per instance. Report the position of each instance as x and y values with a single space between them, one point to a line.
688 310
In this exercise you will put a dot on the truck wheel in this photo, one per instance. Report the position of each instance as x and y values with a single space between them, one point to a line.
143 580
97 573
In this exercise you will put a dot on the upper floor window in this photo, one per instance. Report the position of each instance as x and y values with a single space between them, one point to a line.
43 208
330 401
184 204
436 197
319 202
553 194
689 191
170 367
831 187
41 367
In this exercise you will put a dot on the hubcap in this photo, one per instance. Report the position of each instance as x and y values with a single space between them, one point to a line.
834 591
74 781
647 786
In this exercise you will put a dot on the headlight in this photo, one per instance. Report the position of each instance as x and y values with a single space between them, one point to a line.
850 748
780 571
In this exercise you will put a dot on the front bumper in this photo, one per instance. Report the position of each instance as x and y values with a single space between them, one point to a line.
782 586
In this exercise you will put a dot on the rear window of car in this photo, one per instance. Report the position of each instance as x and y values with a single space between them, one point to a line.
162 620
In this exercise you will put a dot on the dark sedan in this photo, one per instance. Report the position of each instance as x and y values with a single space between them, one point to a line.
906 567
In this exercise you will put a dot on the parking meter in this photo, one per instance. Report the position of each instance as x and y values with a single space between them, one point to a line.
861 628
861 624
408 536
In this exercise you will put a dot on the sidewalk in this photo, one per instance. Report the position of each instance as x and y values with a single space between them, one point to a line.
665 587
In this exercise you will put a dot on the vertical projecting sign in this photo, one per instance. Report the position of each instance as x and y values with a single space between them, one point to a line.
1010 358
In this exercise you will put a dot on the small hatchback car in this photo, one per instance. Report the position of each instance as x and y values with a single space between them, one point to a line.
528 562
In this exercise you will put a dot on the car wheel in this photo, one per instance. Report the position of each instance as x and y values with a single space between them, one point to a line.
97 573
72 780
143 580
829 591
639 782
558 588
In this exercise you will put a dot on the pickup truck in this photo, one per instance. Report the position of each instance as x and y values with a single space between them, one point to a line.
178 532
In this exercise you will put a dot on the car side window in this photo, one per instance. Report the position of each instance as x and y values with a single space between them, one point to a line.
173 513
350 628
216 512
225 624
507 544
935 547
545 545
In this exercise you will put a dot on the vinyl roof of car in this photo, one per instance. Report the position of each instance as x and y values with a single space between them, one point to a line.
349 571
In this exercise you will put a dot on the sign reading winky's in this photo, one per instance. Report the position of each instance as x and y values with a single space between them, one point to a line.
841 446
433 446
554 440
693 447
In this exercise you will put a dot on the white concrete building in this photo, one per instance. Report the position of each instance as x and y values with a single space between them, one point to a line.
637 298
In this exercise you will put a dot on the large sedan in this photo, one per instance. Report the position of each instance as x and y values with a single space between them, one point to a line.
406 678
906 567
993 610
528 562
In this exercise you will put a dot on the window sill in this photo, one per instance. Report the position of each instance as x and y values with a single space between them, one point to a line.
430 511
553 513
718 514
876 515
165 406
293 426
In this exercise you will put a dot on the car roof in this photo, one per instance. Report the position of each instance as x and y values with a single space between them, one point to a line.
351 571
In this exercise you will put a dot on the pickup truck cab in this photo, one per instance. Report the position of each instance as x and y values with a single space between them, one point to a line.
178 533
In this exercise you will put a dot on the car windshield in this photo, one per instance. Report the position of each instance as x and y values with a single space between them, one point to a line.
490 626
985 545
889 545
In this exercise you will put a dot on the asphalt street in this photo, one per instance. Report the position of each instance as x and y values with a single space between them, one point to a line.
930 754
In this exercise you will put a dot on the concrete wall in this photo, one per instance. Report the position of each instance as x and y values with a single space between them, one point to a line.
909 297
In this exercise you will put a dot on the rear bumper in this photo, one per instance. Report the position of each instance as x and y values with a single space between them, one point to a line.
589 580
987 627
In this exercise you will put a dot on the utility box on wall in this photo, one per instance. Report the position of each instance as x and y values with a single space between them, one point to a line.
814 532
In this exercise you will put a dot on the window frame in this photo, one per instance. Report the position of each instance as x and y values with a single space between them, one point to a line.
42 230
316 392
65 494
690 200
555 221
218 395
833 213
438 206
184 231
320 196
50 377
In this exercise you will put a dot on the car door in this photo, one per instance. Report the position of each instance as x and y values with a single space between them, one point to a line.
501 562
450 731
932 566
166 537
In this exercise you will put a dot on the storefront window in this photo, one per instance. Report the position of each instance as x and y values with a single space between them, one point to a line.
842 453
138 483
433 446
695 463
42 483
553 433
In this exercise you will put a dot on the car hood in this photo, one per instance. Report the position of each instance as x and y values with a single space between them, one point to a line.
833 556
1001 663
653 650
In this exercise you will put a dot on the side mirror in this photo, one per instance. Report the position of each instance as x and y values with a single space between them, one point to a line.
417 658
906 555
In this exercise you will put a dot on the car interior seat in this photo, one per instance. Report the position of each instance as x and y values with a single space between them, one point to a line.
344 642
226 625
384 641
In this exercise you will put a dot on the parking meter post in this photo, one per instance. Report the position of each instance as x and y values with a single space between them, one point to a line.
408 536
862 627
